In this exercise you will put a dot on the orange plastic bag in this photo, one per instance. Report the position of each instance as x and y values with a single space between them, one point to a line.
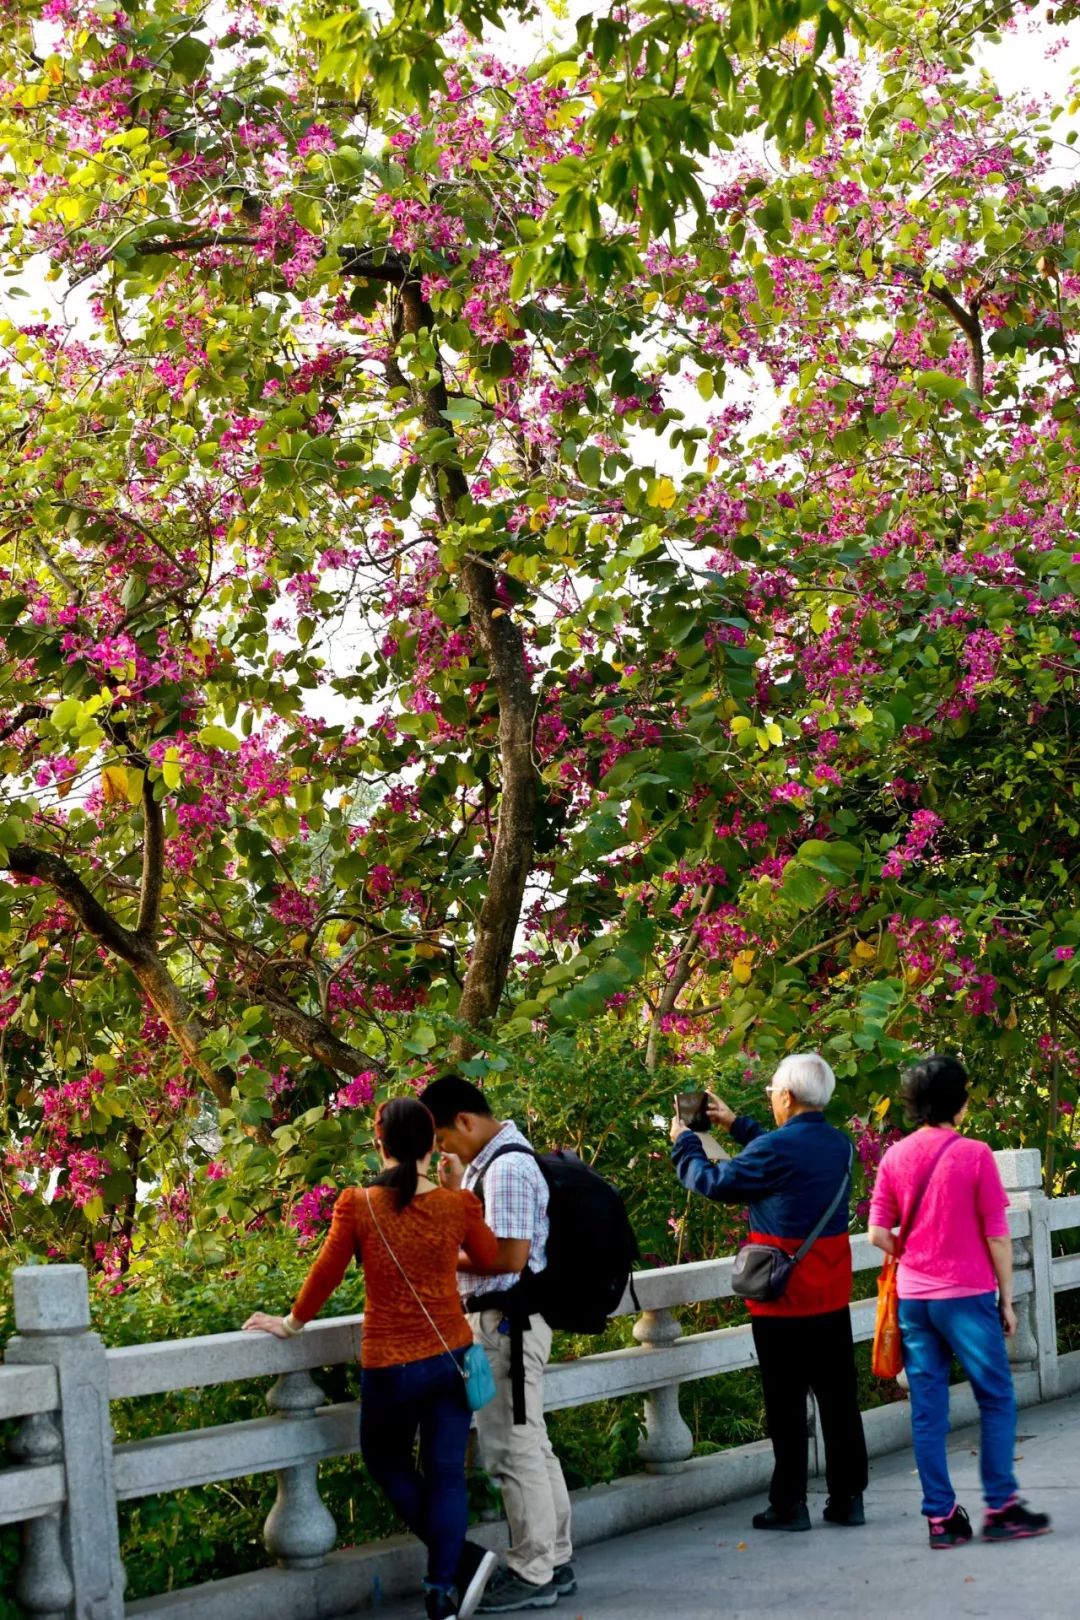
886 1359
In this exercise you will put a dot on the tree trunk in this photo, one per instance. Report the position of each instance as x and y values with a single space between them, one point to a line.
504 647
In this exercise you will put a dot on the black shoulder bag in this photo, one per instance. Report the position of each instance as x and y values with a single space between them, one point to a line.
762 1272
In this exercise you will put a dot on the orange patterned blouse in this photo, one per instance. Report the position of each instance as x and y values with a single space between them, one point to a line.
426 1236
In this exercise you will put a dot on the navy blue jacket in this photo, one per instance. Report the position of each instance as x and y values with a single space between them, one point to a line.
787 1178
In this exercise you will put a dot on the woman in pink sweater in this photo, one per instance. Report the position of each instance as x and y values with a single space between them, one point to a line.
954 1281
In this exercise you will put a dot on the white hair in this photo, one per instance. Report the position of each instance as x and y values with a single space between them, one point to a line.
807 1077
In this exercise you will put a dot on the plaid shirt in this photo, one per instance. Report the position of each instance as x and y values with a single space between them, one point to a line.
515 1197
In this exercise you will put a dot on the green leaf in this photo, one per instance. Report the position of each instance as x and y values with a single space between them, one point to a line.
218 737
590 464
941 384
188 58
462 411
170 769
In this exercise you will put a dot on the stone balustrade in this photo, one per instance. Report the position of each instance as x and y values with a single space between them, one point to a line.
64 1475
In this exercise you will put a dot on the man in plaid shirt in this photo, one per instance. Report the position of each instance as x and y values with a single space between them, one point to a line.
472 1143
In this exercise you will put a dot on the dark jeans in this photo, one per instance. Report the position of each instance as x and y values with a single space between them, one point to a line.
933 1331
799 1354
396 1403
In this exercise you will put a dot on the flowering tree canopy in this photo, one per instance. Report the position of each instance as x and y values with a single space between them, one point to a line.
498 547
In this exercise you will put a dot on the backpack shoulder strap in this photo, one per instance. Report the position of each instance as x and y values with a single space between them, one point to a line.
501 1153
804 1248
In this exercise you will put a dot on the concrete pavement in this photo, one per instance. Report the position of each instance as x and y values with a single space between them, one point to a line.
714 1565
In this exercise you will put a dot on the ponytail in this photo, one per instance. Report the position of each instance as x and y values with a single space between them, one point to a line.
407 1133
403 1179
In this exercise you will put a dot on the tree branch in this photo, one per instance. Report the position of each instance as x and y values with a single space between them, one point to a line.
314 1037
675 985
373 263
157 983
28 712
25 861
966 319
153 862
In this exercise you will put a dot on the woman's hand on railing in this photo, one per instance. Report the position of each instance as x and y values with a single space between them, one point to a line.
262 1322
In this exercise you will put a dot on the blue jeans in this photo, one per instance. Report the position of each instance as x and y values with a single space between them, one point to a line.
395 1404
933 1331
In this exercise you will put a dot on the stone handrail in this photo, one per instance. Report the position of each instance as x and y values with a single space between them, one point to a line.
68 1475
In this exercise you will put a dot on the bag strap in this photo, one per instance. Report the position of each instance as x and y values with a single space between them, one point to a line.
905 1230
804 1248
500 1153
408 1281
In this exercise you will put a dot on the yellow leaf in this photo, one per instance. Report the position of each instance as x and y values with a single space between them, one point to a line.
881 1108
114 788
498 613
665 494
865 951
740 723
774 734
743 967
298 942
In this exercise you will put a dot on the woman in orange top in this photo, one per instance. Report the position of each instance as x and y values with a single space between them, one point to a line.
407 1233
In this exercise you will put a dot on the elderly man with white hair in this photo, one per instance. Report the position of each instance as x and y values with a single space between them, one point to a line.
795 1272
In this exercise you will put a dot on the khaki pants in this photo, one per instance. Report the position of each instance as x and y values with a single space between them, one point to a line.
520 1457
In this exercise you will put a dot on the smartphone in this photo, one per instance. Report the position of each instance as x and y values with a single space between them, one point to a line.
692 1108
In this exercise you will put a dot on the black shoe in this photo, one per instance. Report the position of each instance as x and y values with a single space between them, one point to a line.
844 1510
797 1519
1015 1523
565 1580
950 1532
475 1568
440 1605
508 1591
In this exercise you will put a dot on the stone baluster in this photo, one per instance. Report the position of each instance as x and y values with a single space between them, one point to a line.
52 1318
667 1441
43 1585
300 1528
1035 1341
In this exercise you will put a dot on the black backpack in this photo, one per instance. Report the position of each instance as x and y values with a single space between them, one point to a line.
591 1247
